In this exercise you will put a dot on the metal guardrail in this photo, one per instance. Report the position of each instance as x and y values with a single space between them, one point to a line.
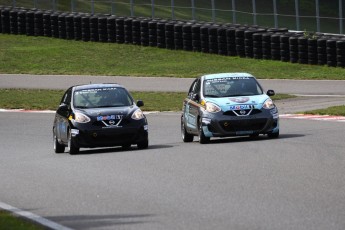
322 16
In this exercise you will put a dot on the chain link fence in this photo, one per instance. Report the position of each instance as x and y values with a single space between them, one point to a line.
324 16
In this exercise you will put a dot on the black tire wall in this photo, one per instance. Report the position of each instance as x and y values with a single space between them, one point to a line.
228 39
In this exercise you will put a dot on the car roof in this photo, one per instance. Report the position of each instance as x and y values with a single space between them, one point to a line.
95 86
225 75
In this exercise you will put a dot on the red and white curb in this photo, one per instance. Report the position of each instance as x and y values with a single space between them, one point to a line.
33 217
314 117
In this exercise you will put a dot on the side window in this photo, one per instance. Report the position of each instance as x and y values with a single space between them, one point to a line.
197 85
194 91
195 88
66 99
191 89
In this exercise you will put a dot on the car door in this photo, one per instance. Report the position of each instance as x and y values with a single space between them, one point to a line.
62 116
192 106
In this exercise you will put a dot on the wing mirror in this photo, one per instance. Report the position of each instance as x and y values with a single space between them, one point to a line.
63 108
270 92
140 103
196 97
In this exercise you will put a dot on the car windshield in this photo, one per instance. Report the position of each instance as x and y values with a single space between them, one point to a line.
102 97
231 87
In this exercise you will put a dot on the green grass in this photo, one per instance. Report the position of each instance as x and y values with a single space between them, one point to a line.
8 221
42 55
333 111
49 99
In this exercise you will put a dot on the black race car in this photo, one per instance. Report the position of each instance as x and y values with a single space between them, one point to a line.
228 104
99 115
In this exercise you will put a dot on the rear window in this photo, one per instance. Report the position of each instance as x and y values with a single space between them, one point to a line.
231 87
102 97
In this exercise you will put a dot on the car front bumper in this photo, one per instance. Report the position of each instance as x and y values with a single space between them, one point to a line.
220 125
115 136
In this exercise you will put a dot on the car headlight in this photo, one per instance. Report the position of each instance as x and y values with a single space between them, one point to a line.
138 114
268 104
212 108
81 118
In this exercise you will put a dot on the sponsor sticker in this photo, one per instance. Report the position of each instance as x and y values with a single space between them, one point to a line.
240 107
109 117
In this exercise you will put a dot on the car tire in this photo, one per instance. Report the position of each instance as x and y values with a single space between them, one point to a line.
186 137
143 144
202 138
73 149
58 148
273 135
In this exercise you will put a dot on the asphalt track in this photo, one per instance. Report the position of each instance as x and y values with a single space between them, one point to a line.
302 87
294 182
314 94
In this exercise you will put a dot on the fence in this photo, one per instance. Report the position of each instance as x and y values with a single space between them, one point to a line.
307 15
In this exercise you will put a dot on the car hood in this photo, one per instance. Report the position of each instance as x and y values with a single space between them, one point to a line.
95 112
225 102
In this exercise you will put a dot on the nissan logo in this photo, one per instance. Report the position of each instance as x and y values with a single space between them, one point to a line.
242 112
111 122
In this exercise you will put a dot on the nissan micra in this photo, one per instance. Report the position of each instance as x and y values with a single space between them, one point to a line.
228 104
99 115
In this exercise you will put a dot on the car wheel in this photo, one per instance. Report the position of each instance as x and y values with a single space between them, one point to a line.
273 135
73 149
186 137
143 144
58 148
202 138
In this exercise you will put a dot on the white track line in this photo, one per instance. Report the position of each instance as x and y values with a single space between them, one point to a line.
33 217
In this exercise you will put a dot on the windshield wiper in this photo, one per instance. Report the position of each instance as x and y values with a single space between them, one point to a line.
233 95
211 96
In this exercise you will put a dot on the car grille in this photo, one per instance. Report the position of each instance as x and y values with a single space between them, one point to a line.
101 124
233 112
243 125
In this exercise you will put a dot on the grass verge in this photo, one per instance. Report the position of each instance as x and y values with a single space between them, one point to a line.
333 111
43 55
8 221
39 99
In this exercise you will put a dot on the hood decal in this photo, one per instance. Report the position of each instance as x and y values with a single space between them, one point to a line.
226 102
239 99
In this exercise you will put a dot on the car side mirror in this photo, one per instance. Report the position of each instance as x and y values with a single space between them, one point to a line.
63 108
270 92
196 97
140 103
